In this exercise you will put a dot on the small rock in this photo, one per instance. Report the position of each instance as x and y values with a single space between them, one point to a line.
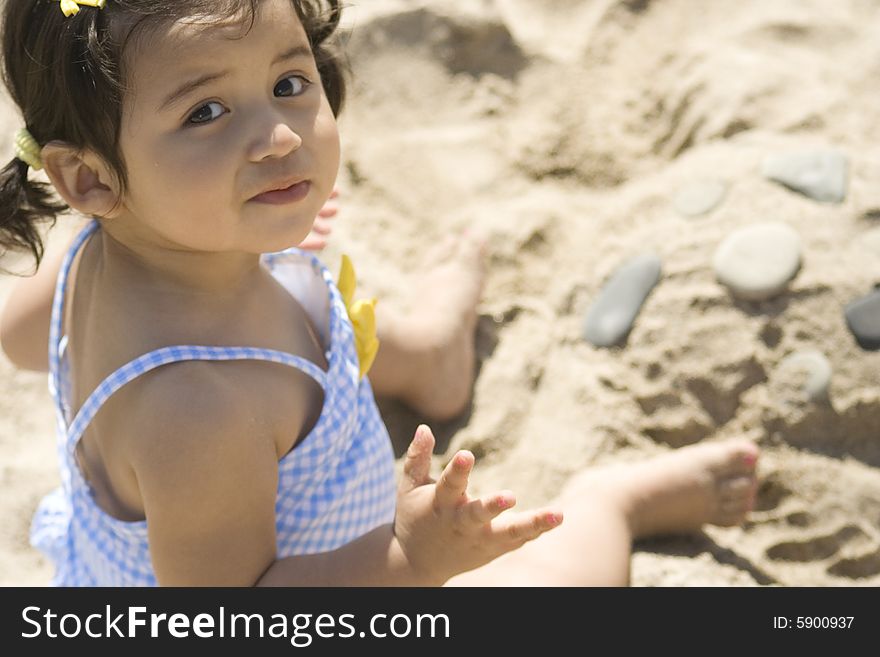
821 175
863 319
611 316
804 374
699 197
758 261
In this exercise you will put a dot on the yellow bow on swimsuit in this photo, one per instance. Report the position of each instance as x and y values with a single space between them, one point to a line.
71 7
362 314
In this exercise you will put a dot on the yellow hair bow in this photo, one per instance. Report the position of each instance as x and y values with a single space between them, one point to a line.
71 7
362 314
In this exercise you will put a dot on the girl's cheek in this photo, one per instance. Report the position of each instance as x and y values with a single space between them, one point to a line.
327 134
194 160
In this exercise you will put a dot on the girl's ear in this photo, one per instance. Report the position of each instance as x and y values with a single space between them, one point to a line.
82 179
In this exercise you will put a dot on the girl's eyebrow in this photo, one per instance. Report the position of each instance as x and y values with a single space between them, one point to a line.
188 87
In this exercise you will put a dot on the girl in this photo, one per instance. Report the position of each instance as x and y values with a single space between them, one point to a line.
215 423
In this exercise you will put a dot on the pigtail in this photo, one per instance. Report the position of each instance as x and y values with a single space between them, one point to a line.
24 205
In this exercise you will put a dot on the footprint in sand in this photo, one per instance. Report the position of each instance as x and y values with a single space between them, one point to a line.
771 493
852 552
817 548
860 567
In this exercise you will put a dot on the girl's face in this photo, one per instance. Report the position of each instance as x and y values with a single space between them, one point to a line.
229 141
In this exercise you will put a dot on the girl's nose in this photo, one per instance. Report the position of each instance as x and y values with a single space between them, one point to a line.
278 141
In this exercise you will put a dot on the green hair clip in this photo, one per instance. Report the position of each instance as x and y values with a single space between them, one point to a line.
28 150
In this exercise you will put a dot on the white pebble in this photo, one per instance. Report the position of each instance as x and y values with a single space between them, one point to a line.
758 261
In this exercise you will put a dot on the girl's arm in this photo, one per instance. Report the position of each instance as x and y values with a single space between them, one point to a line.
24 324
374 559
206 465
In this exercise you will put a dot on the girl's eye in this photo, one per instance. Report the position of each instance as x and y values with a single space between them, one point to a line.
292 85
206 113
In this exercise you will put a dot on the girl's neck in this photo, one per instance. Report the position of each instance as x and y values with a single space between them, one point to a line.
174 272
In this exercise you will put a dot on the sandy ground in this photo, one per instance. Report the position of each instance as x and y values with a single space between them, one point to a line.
563 129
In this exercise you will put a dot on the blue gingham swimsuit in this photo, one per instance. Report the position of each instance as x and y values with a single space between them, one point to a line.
337 484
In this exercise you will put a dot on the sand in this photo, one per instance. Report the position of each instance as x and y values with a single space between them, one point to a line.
563 129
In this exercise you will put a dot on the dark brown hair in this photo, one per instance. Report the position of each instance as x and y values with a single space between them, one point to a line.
66 74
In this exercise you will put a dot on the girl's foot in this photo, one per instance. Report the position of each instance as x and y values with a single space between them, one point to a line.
712 483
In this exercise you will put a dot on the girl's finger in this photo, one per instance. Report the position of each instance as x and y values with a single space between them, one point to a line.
477 513
328 211
452 487
313 243
526 527
417 464
321 227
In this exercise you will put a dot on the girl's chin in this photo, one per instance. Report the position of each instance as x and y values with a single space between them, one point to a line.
291 242
285 237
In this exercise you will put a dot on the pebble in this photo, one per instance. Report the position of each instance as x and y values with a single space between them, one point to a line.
758 261
699 197
821 175
863 319
610 318
806 372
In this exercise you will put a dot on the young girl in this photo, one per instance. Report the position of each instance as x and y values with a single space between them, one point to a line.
216 425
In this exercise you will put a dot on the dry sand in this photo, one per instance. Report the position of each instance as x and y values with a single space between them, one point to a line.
563 130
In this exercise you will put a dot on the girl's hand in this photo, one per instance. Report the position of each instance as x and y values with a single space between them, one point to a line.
442 531
316 240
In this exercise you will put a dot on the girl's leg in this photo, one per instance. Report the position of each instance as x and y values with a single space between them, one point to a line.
605 509
435 336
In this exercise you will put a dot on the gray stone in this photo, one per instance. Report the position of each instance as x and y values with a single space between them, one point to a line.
821 175
699 197
863 319
806 373
610 318
757 262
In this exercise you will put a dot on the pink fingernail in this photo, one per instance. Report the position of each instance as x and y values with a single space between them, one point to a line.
750 459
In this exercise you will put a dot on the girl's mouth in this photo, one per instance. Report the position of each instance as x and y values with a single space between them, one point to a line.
293 194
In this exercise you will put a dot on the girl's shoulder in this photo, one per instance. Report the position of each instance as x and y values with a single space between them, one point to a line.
179 403
157 427
195 405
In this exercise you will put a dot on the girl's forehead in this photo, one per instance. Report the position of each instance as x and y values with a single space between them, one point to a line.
208 37
164 57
